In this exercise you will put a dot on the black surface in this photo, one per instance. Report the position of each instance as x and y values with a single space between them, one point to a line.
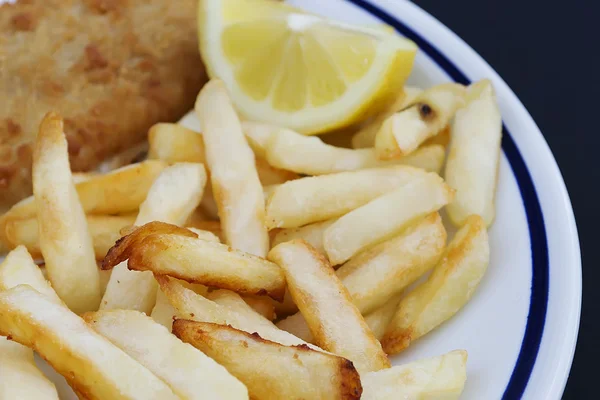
547 54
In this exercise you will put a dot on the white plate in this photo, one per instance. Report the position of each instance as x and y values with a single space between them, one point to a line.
521 326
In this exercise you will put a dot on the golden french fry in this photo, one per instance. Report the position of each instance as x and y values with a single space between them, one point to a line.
211 226
175 143
447 290
288 150
385 216
477 130
312 234
174 195
270 175
20 378
119 191
263 305
403 132
440 377
131 155
258 135
192 306
365 137
18 268
187 371
306 200
89 362
163 312
64 237
375 275
334 321
235 302
205 235
270 370
235 183
379 319
209 263
103 228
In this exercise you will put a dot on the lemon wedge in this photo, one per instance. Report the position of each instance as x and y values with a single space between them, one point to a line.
287 67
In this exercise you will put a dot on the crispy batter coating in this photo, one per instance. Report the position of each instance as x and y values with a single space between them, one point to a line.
111 68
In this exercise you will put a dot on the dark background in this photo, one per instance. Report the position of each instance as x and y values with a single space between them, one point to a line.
547 52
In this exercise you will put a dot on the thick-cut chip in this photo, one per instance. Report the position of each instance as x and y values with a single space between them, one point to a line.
175 143
403 132
65 240
93 366
20 378
311 234
189 373
172 198
365 137
377 274
270 370
18 268
103 228
474 156
263 305
236 303
440 377
213 264
235 183
334 321
379 319
192 306
448 288
385 216
288 150
303 201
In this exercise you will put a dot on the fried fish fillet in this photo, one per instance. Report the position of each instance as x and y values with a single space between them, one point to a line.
111 68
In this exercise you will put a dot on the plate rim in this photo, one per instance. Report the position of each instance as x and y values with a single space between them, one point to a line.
535 333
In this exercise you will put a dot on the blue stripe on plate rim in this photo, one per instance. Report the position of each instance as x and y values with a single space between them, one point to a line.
537 233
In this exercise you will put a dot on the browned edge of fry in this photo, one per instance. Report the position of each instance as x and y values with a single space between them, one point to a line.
124 246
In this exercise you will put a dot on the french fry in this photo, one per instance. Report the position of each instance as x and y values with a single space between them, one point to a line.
175 143
235 183
64 237
428 114
91 364
205 235
209 263
174 195
19 376
365 137
440 377
375 275
375 221
335 323
270 175
477 130
18 268
288 150
235 302
187 371
119 191
163 312
313 199
211 226
379 319
190 305
258 135
270 370
448 288
103 228
312 234
263 305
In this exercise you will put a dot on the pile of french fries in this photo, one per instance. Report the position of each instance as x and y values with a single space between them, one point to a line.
249 261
